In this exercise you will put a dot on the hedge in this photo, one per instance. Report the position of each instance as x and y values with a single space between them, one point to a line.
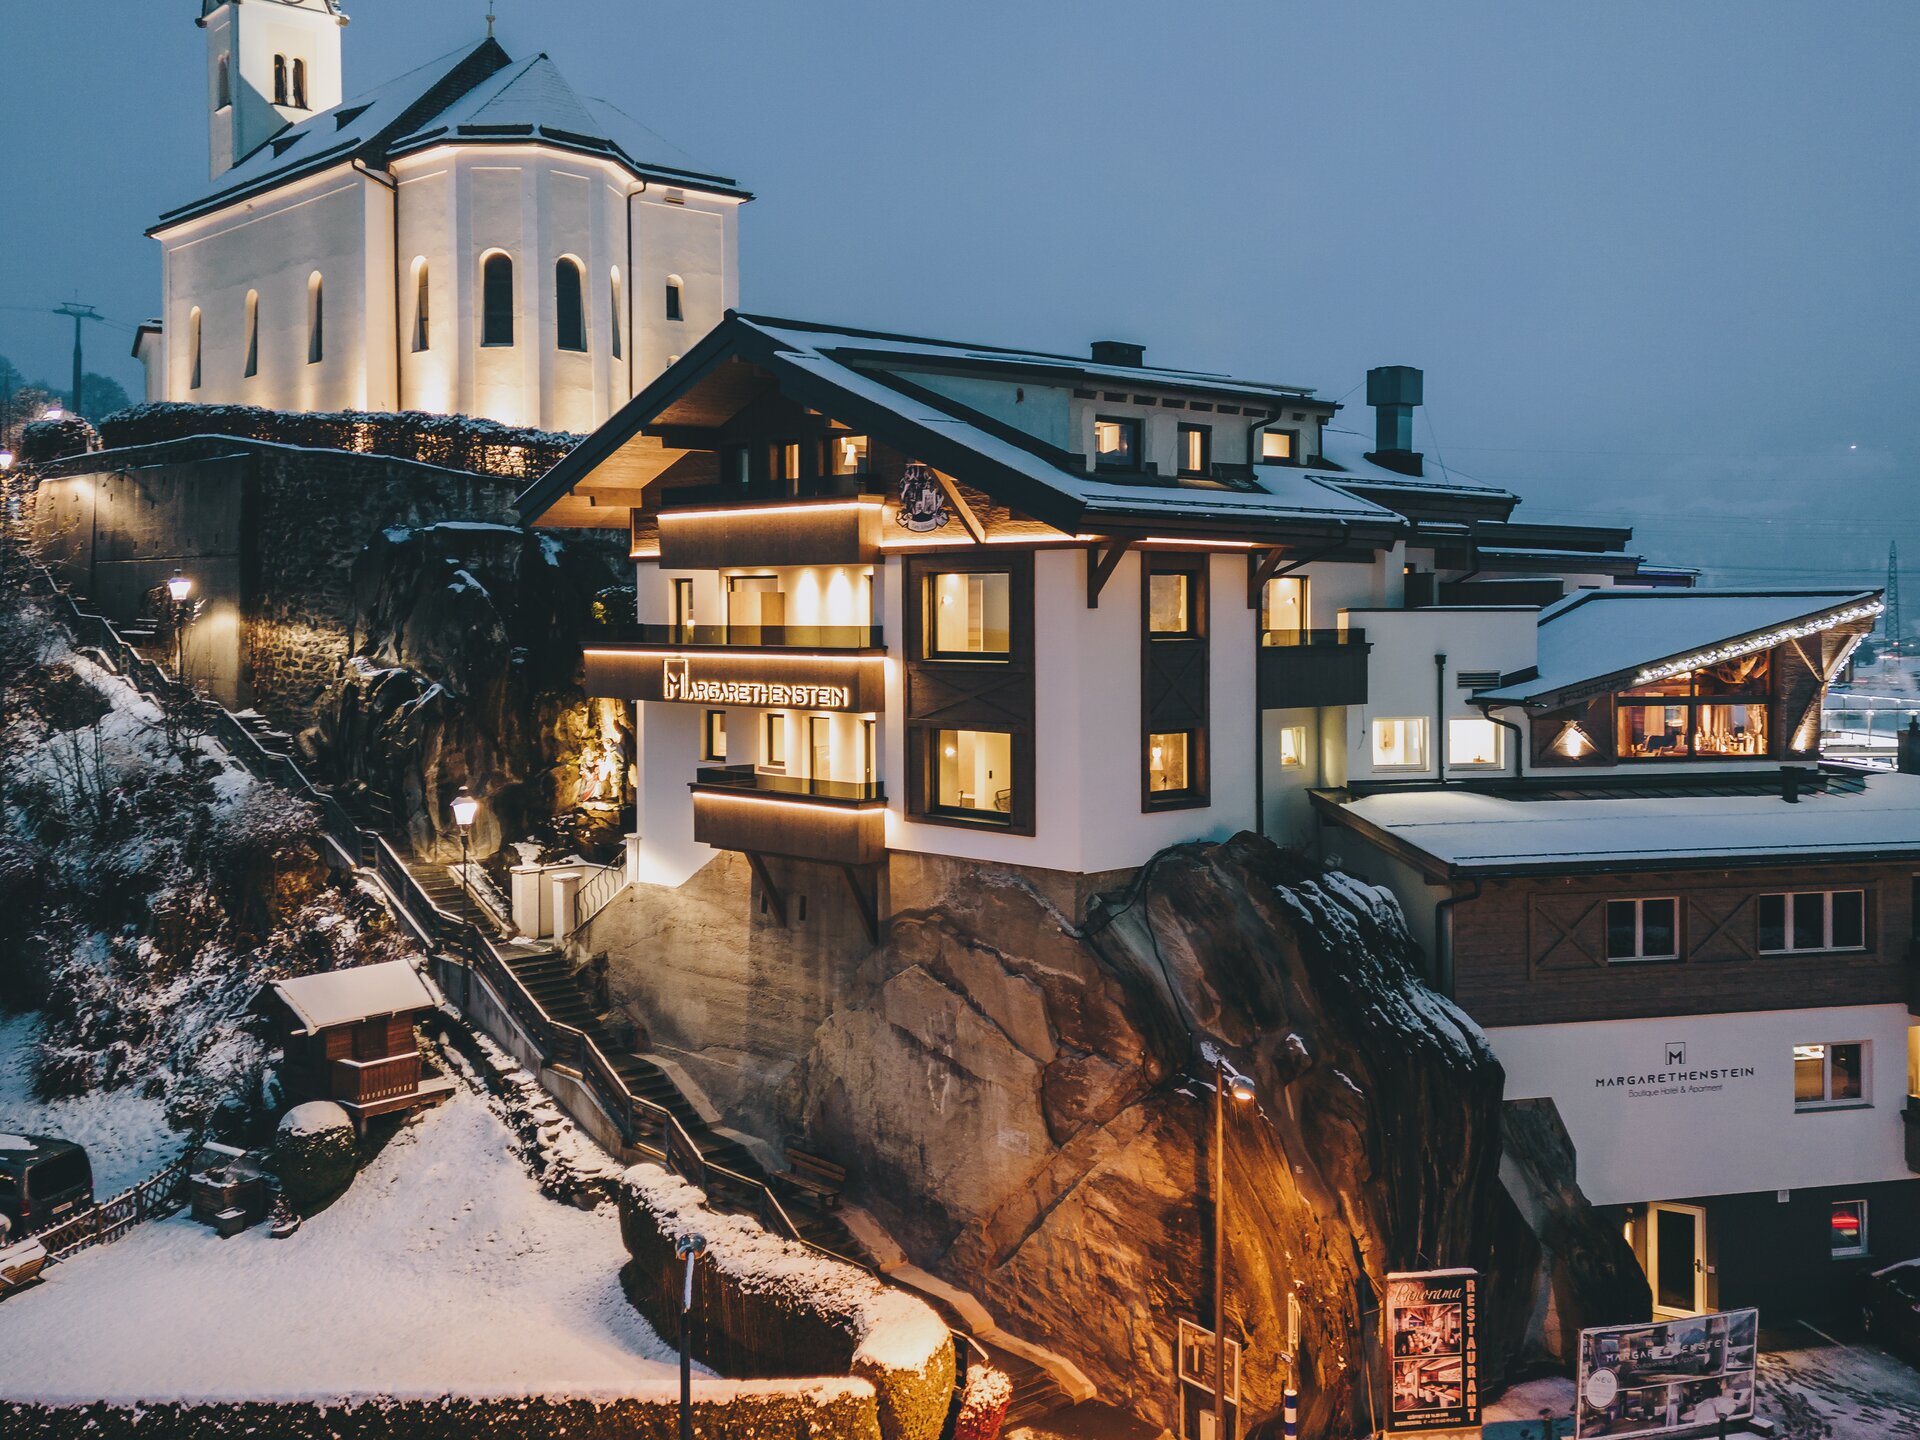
45 441
771 1307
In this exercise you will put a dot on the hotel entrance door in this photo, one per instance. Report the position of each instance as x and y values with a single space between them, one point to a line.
1677 1258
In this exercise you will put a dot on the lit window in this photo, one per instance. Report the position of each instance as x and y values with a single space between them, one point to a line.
974 772
569 306
1472 741
1719 710
1276 445
496 300
1283 607
673 298
847 454
316 320
755 600
1813 920
1827 1076
1848 1228
1116 444
1170 603
1400 744
970 614
279 79
714 746
613 311
193 344
1573 742
422 318
299 84
1293 746
773 744
1643 929
1169 762
682 601
252 366
786 461
1196 450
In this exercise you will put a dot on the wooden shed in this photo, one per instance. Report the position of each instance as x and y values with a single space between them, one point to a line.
349 1038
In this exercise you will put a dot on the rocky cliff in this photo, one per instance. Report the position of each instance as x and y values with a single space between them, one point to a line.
1023 1102
464 671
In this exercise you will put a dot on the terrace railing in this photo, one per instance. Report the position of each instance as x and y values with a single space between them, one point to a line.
752 637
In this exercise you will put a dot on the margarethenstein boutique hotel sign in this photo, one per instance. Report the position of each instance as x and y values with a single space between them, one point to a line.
1675 1076
779 682
679 682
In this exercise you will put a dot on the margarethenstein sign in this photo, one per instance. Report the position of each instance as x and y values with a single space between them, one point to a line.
1674 1075
1668 1377
678 682
1433 1350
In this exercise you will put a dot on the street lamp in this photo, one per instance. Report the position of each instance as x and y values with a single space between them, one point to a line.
6 459
55 411
689 1248
465 807
179 587
1227 1081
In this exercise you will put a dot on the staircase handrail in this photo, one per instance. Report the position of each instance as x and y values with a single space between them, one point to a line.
596 892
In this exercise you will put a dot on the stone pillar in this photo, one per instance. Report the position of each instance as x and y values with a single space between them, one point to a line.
633 859
566 894
526 900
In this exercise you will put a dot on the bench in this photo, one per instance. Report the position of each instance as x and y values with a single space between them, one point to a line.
820 1180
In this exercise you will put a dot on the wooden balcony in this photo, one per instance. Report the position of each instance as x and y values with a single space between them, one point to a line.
801 667
1306 668
837 822
829 531
365 1088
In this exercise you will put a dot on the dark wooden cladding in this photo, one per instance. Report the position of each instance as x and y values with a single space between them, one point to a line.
802 829
796 532
614 673
992 695
1173 681
1290 677
1533 951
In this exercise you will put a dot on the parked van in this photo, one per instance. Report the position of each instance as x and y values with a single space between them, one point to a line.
43 1181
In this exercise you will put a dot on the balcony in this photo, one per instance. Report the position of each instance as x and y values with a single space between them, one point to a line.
799 667
828 531
840 822
1309 668
747 637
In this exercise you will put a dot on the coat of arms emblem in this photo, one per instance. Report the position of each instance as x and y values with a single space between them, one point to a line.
923 504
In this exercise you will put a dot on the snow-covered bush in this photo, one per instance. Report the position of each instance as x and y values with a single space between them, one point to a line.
46 440
774 1307
315 1154
983 1404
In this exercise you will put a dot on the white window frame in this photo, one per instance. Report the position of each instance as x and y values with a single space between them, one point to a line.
707 750
1639 903
1787 947
1863 1101
1299 762
1499 759
1425 761
1849 1252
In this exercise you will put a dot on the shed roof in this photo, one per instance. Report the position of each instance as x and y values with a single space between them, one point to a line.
345 997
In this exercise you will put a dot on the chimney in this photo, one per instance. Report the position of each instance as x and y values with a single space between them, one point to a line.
1122 352
1908 761
1393 391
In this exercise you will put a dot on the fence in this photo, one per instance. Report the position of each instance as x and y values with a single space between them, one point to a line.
158 1194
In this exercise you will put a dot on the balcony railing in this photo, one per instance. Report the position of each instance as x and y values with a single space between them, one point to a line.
1310 668
1313 637
361 1082
750 637
746 778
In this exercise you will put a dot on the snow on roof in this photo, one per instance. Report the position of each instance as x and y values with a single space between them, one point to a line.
1346 451
341 997
1474 830
16 1142
1597 633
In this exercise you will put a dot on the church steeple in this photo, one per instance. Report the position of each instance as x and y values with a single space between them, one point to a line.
270 64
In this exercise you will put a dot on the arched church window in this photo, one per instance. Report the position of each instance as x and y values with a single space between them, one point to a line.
222 85
422 335
613 311
253 333
316 320
279 79
193 346
496 299
569 305
299 84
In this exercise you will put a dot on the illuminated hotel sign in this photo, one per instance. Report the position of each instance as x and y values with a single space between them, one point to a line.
677 682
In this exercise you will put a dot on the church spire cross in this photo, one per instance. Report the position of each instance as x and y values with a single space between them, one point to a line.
490 19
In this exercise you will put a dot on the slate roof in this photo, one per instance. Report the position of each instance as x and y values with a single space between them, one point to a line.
474 95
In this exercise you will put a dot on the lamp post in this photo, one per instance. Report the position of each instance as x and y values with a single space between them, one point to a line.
1226 1081
689 1248
465 807
179 587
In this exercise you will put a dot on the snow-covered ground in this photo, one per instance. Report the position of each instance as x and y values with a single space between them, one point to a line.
125 1135
1810 1388
442 1270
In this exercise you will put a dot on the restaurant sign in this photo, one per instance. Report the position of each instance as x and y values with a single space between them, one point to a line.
1433 1351
678 682
1691 1374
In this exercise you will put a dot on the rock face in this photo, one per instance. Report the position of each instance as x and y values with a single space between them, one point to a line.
464 672
1021 1101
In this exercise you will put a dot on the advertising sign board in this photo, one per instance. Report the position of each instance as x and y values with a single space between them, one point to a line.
1668 1377
1433 1351
1196 1359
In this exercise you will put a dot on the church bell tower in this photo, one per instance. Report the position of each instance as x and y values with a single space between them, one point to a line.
270 64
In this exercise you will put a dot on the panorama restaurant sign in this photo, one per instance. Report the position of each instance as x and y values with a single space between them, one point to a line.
1433 1350
678 682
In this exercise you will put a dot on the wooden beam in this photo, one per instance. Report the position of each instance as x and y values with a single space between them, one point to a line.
1260 567
961 508
867 905
776 902
1101 565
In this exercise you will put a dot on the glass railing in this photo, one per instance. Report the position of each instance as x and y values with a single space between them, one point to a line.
763 637
745 777
1313 637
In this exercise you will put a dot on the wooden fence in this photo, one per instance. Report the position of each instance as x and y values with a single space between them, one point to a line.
160 1193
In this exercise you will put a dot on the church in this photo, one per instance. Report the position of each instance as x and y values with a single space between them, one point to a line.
474 237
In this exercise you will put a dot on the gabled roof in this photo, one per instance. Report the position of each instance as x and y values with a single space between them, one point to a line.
345 997
475 95
849 374
1596 635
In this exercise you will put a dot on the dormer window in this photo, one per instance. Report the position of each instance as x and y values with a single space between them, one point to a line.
1196 450
1116 444
280 80
1279 447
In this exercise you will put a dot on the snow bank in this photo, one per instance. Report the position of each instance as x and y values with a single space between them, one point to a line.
125 1134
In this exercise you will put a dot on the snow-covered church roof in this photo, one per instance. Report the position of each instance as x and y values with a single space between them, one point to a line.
477 95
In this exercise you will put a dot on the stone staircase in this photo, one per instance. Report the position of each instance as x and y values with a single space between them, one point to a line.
1036 1394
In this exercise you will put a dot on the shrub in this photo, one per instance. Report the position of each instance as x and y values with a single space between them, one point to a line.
983 1404
315 1154
46 440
